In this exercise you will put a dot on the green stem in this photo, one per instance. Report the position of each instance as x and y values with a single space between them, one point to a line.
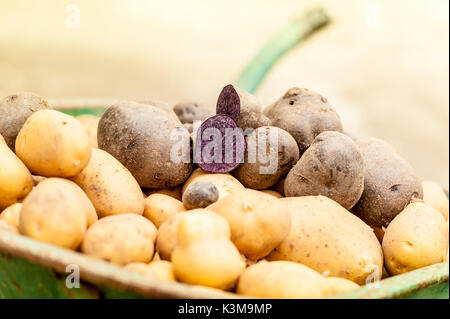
294 33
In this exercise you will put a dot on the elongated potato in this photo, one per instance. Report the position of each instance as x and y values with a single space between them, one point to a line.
327 238
15 178
110 186
225 183
52 143
54 213
12 214
259 222
434 196
121 239
281 279
417 237
159 207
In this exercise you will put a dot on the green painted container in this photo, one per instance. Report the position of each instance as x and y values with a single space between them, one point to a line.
32 269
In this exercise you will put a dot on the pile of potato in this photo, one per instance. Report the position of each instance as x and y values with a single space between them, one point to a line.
338 213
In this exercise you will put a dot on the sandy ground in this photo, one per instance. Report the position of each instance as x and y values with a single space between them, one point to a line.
383 64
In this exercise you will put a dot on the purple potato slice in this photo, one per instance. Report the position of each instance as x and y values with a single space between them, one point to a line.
229 103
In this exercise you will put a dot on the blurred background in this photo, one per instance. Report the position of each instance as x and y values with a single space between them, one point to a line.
383 64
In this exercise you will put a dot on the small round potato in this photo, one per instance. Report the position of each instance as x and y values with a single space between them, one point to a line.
90 124
200 195
54 212
12 213
189 111
259 222
304 114
167 232
121 239
271 152
434 196
8 227
336 285
110 186
14 111
281 280
225 183
417 237
15 178
52 143
204 257
329 239
157 269
332 166
159 207
390 183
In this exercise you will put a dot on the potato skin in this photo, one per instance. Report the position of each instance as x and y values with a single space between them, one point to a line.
284 152
434 196
138 136
258 221
200 195
336 285
90 124
327 238
110 186
15 178
280 279
8 227
159 207
54 213
121 239
157 269
12 214
14 111
174 192
390 183
65 156
304 114
332 166
225 183
417 237
189 111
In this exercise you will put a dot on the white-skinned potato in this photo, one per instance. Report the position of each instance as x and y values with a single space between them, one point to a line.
110 186
329 239
159 207
258 221
415 238
54 213
434 196
281 280
15 178
121 239
52 143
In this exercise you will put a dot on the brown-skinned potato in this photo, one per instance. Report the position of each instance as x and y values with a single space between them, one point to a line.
390 183
189 111
14 111
332 166
304 114
138 135
271 152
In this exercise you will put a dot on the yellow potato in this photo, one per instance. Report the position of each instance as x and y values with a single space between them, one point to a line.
415 238
259 222
159 207
8 227
15 179
121 239
52 143
110 186
174 192
336 285
204 257
434 196
12 213
167 232
327 238
225 183
54 213
158 269
90 124
272 192
281 280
